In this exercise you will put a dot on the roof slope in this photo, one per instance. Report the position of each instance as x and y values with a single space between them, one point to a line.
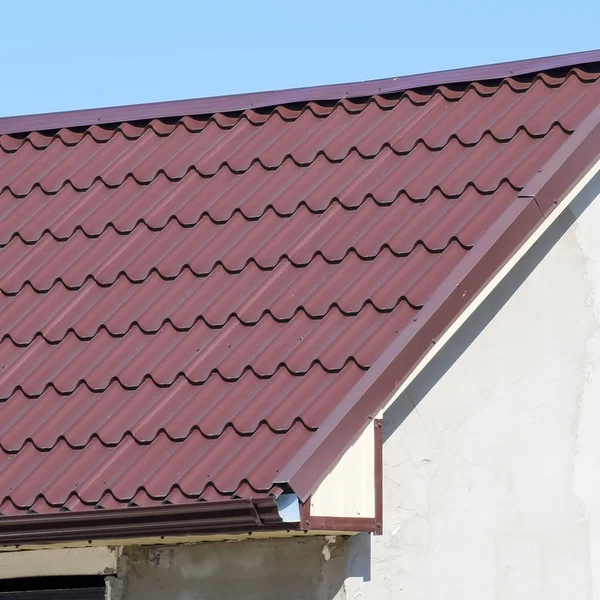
191 305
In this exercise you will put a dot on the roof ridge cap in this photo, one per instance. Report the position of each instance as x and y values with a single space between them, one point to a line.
253 100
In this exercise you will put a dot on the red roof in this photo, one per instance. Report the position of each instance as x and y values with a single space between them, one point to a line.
204 301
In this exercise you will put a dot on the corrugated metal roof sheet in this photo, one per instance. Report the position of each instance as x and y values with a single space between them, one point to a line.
186 301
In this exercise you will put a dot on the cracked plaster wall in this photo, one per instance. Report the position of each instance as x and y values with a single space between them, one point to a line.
491 463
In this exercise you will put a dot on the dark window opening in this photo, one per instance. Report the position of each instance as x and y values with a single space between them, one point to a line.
53 588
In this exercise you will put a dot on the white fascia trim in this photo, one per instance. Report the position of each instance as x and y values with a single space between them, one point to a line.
495 281
98 560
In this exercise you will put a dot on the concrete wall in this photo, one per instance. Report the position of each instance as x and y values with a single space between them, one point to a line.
492 463
280 569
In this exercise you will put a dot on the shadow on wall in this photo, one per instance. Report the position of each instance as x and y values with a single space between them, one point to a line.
395 415
302 568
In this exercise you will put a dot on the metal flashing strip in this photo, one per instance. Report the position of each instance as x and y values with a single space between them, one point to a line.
241 102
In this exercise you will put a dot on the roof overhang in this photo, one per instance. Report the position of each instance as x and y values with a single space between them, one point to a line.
554 187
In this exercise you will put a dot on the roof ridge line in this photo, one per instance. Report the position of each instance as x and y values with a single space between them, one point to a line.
308 107
570 165
150 126
240 102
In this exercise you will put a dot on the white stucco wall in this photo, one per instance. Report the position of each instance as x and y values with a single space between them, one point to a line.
492 478
491 462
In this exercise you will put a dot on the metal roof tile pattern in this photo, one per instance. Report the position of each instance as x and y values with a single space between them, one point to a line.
229 352
219 297
185 301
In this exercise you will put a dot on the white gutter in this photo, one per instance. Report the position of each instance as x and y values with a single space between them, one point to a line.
288 506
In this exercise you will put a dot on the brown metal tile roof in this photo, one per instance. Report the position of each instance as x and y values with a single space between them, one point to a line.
208 300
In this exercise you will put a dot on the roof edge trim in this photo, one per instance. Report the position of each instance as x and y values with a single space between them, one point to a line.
241 102
573 165
204 518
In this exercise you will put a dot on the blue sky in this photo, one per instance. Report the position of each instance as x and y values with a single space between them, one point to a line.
65 55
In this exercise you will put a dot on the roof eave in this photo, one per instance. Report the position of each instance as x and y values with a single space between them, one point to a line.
241 102
200 518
